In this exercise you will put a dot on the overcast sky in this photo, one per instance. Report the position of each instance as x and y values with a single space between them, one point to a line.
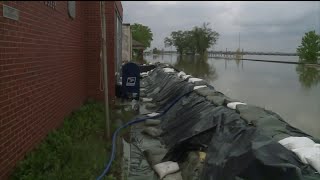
263 26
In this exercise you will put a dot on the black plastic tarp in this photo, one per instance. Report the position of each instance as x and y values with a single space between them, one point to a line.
240 144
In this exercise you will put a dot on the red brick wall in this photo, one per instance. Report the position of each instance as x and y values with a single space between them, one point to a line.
49 64
93 36
94 48
119 7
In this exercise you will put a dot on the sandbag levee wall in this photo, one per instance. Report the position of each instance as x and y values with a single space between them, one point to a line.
270 133
49 65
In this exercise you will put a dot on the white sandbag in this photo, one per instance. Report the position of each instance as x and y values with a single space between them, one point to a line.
166 168
296 142
185 76
198 87
181 73
144 74
193 80
233 105
135 105
314 161
153 114
168 70
305 152
146 99
174 176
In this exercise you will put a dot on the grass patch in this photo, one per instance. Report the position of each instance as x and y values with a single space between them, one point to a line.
76 150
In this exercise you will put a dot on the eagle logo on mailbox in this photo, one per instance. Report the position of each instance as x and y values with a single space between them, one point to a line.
131 81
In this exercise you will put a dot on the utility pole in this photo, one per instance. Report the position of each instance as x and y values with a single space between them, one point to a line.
239 41
105 67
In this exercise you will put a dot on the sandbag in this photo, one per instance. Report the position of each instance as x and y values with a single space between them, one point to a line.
235 149
185 76
154 155
217 100
314 161
193 80
251 113
152 131
152 122
305 152
151 106
199 87
191 168
181 73
166 168
297 142
233 105
200 83
146 99
174 176
143 94
202 156
206 92
168 70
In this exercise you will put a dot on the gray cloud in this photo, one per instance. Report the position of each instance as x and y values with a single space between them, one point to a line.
264 26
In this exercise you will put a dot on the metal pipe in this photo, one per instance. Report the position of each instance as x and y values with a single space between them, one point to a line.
105 67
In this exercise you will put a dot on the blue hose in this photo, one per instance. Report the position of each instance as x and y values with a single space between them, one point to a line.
137 120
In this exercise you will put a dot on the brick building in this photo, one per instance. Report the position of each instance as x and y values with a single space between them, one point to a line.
49 65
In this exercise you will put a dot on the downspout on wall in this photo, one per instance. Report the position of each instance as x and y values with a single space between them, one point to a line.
105 68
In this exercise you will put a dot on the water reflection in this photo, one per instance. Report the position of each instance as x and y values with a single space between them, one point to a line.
236 60
197 66
274 86
308 76
155 56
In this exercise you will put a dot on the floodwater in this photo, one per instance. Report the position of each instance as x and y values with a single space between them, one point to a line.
292 91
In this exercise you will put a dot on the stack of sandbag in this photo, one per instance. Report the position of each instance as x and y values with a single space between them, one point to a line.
306 149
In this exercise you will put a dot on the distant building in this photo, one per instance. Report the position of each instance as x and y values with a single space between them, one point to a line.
126 43
138 46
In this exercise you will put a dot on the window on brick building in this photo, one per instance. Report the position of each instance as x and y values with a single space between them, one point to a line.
72 9
51 4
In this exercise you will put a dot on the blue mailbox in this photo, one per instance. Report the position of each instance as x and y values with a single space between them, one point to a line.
131 81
